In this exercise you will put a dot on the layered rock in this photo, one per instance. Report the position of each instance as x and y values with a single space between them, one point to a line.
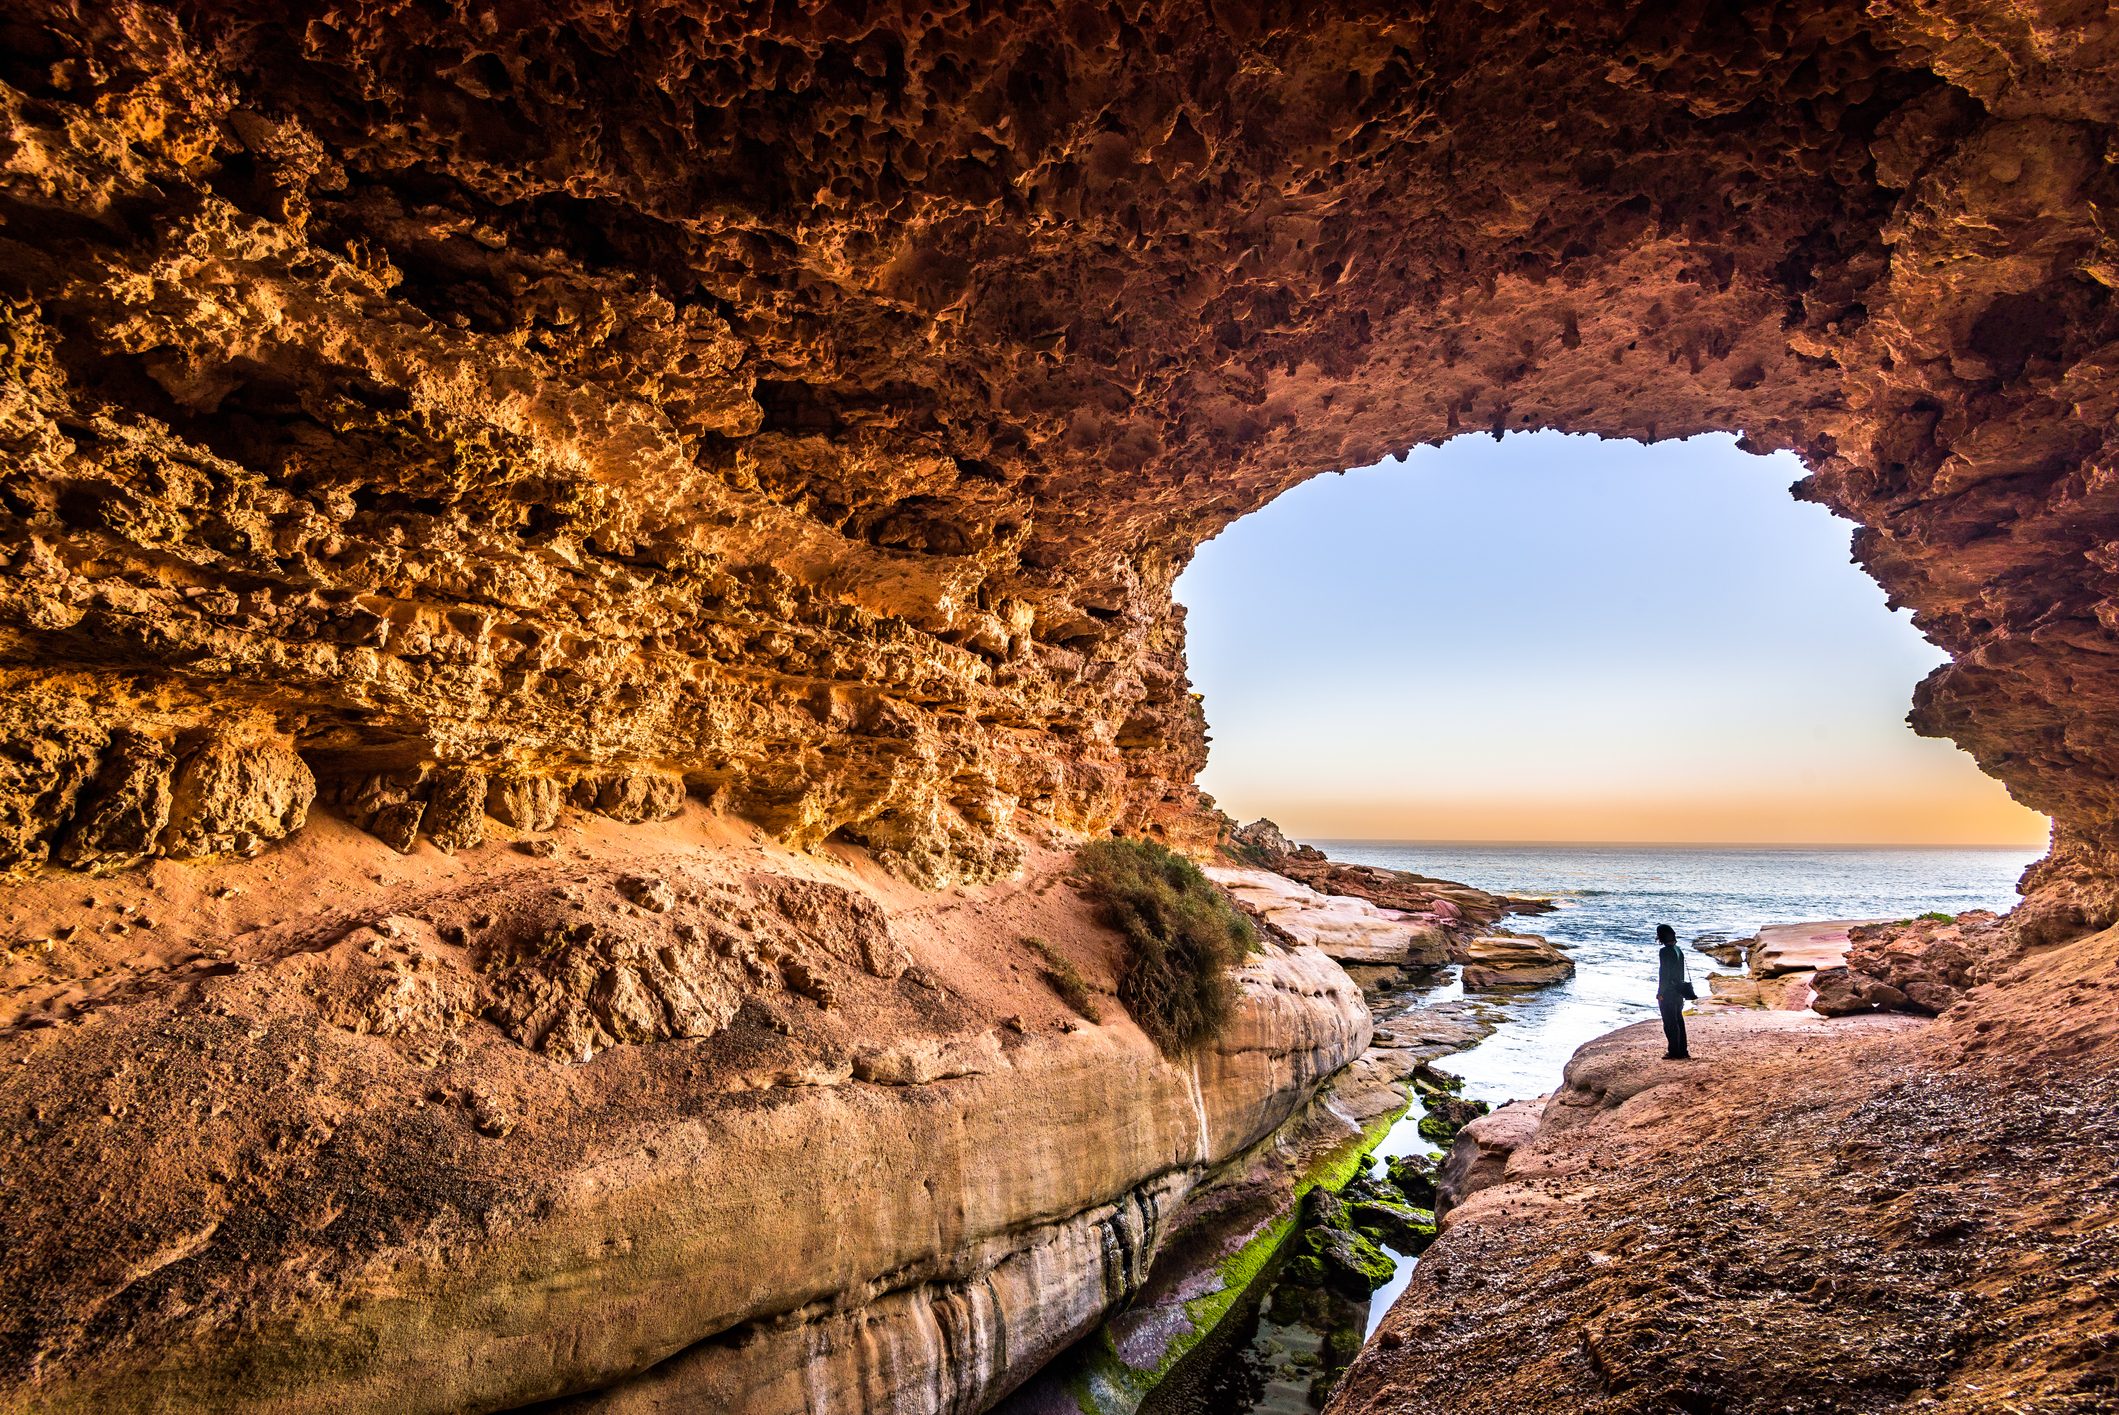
660 1117
1918 965
1347 929
1511 960
1261 843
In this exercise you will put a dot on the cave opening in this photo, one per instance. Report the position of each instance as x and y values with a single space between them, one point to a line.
1638 681
1553 638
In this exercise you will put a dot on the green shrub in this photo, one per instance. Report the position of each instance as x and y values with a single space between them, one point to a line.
1183 936
1936 916
1064 978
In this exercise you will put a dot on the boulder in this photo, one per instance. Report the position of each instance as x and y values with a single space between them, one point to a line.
1931 961
1352 1263
1842 992
1729 952
1480 1153
1413 1176
525 802
231 796
1393 1221
455 818
1446 1115
631 794
1511 960
1800 948
123 811
1261 841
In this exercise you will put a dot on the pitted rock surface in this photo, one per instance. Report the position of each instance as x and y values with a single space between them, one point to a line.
816 415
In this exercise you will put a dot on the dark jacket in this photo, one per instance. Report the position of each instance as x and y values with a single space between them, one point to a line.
1670 973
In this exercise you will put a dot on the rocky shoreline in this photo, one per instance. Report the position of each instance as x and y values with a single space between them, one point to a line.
1888 1210
1393 932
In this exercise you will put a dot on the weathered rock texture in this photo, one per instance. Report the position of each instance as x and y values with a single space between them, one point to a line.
1512 960
1917 965
460 412
660 1121
1349 930
1902 1214
817 411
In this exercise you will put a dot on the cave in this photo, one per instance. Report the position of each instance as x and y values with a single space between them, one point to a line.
422 421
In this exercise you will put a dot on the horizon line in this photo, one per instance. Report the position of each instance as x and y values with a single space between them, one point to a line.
1688 844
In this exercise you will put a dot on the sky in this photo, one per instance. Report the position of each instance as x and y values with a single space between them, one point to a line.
1552 638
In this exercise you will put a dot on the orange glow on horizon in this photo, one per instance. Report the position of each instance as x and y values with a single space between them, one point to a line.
1979 813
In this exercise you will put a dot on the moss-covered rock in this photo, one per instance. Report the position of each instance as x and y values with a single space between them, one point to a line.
1352 1263
1399 1224
1446 1115
1413 1176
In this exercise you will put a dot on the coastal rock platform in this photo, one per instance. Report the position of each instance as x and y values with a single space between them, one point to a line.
1790 1173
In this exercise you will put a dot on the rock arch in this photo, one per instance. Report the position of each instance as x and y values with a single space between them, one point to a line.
489 406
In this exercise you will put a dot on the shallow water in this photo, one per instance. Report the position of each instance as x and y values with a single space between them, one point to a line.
1610 900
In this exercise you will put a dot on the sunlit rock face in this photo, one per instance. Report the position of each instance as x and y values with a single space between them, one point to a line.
488 405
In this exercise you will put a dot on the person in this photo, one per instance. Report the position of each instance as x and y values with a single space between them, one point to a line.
1671 992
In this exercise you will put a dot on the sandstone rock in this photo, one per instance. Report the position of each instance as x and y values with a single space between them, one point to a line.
231 796
1498 960
42 773
455 814
1346 929
1044 1182
1478 1156
582 988
1840 992
1729 952
1930 962
397 826
925 1060
525 802
122 812
1800 948
376 374
1401 889
631 795
1262 842
651 894
843 920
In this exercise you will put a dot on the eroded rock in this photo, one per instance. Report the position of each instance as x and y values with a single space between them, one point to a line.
854 497
121 814
1512 960
232 796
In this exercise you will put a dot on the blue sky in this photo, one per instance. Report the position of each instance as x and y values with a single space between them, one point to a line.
1564 638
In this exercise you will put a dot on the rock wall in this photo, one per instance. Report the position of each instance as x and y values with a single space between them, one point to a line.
485 404
662 1121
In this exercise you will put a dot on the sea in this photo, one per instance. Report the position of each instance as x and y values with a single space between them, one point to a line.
1609 899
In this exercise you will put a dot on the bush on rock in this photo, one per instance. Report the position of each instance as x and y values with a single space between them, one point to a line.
1183 936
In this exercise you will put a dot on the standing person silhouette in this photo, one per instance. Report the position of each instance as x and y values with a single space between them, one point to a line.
1671 992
